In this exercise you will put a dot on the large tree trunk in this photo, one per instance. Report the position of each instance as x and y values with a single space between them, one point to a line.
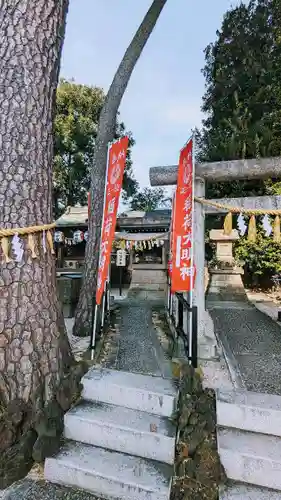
34 351
107 123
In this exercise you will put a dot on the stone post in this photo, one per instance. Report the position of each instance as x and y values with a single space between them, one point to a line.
207 345
199 247
225 288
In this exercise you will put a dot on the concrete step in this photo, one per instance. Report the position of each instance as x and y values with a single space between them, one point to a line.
251 458
139 392
238 491
109 474
249 411
122 429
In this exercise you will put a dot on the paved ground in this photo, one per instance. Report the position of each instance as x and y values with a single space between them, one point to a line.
139 349
253 340
265 302
29 489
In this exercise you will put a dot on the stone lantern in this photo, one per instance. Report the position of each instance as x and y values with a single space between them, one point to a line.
225 285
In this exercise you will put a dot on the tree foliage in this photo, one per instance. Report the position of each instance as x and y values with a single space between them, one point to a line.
149 199
243 92
242 101
262 259
78 108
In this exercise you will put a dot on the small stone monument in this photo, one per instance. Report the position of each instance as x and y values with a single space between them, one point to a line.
225 284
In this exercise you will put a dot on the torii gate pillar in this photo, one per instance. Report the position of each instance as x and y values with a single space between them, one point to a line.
207 344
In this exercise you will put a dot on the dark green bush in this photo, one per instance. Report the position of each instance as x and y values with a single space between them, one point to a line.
262 260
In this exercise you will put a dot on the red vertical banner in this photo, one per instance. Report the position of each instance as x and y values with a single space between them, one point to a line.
115 170
182 253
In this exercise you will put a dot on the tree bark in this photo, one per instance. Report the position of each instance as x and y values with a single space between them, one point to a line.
106 129
35 354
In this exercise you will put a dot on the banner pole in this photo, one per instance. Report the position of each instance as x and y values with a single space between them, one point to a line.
103 308
109 287
190 333
171 299
173 244
104 195
93 339
96 306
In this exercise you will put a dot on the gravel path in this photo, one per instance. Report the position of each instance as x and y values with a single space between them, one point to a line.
139 349
254 340
28 489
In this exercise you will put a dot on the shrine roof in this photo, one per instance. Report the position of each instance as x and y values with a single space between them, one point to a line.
73 216
78 216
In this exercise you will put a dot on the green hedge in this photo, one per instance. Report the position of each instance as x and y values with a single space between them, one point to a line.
262 260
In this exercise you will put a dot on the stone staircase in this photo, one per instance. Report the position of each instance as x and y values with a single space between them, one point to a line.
249 444
119 440
148 283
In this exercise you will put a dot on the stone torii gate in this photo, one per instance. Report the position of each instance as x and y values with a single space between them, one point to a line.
262 168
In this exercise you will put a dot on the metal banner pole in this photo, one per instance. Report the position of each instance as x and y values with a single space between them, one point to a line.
171 254
108 297
169 295
103 308
108 287
190 333
93 338
194 337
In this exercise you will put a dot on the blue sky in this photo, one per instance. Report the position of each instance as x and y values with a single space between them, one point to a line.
163 98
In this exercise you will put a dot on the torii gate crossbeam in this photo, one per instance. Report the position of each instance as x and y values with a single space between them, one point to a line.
221 171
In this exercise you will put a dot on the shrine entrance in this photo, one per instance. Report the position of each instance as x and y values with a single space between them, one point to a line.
150 255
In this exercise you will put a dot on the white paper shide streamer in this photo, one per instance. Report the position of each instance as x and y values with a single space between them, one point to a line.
17 248
44 244
266 225
242 227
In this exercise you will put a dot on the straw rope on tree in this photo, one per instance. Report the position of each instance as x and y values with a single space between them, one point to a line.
26 230
16 242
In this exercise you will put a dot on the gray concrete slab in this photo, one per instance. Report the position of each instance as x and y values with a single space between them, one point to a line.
249 411
254 341
245 492
109 474
250 458
136 391
122 429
